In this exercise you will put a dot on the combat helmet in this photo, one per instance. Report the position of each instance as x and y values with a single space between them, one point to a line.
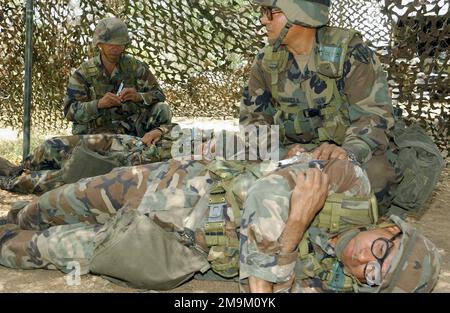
111 30
414 268
309 13
416 265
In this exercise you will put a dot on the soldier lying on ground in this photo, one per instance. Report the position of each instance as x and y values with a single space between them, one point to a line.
154 225
301 238
65 159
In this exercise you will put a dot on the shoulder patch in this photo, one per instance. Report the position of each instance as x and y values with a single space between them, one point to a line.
330 53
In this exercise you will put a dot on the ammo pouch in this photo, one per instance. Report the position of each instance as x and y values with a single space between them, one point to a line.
87 163
421 164
132 250
341 212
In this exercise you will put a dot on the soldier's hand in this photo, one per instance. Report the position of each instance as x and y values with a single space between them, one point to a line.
152 137
130 94
294 150
328 151
109 100
309 194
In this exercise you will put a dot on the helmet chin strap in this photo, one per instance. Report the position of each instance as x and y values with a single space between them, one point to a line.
283 33
343 240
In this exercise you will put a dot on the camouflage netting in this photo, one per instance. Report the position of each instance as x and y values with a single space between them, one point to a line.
201 51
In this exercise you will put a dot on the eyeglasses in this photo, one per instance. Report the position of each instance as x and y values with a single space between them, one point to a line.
269 12
380 250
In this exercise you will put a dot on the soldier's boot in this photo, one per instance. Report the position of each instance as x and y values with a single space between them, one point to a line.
8 169
14 211
5 182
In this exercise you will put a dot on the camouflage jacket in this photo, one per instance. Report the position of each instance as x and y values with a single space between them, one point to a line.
362 86
90 82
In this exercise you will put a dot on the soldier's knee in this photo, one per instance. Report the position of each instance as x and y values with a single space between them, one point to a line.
162 112
381 173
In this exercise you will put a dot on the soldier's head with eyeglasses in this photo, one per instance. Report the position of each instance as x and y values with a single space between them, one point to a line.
392 257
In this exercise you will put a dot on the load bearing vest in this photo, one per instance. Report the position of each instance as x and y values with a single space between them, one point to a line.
313 122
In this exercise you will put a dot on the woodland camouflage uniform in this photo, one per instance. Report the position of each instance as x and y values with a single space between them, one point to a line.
61 226
169 192
113 132
44 169
90 82
315 265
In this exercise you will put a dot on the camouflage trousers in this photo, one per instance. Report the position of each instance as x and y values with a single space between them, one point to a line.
158 114
384 178
44 168
266 211
59 227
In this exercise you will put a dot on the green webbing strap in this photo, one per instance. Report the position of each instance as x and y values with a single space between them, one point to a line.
227 185
311 266
336 211
303 249
222 168
283 34
309 98
221 191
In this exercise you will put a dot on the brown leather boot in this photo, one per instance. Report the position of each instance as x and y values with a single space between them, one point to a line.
7 168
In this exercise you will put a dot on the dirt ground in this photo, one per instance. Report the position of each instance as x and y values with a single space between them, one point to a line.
434 222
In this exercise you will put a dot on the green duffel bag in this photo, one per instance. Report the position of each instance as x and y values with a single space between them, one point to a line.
87 163
132 250
421 162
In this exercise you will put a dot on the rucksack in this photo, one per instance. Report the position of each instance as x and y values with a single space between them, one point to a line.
421 163
85 162
132 250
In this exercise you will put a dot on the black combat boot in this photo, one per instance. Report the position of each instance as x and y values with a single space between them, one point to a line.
5 182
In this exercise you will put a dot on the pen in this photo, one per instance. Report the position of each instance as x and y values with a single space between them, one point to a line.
120 88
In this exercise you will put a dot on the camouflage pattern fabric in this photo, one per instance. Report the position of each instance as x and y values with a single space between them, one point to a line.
302 12
168 192
90 82
44 168
416 266
264 221
111 30
174 194
363 87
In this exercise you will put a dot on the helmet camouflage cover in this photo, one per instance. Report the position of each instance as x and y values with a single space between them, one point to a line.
112 31
416 265
310 13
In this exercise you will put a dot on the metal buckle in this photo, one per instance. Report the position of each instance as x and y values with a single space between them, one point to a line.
216 212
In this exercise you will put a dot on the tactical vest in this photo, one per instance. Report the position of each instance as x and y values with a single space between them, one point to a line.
339 214
303 115
221 231
109 120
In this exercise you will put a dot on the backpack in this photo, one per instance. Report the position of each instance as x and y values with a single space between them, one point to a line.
421 163
85 162
132 250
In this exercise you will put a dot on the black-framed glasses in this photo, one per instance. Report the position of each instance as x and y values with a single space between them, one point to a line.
380 249
269 12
